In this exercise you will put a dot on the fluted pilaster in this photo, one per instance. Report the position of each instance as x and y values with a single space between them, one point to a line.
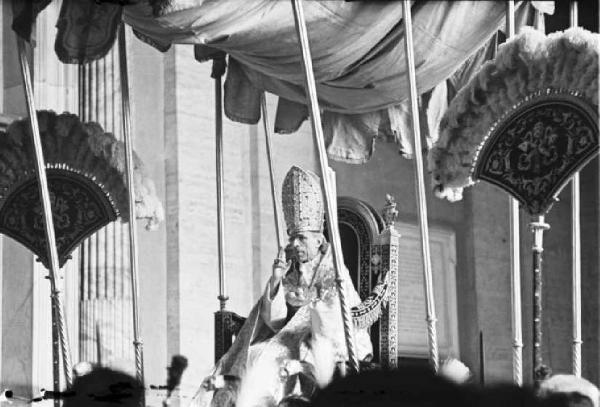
105 301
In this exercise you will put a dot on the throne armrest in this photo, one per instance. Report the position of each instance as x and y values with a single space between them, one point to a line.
227 326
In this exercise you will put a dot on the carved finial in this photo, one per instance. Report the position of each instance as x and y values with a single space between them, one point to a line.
389 211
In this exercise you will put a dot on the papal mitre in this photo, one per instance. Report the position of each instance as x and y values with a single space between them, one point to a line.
302 201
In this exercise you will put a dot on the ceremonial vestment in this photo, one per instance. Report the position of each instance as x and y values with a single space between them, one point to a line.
298 319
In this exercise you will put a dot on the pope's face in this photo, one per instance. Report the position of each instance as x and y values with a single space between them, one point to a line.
304 246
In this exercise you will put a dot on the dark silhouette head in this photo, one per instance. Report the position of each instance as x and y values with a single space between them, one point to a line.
406 387
502 395
103 388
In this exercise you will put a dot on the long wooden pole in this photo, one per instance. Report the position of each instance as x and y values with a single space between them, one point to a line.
420 189
576 270
129 167
276 209
515 253
317 130
223 297
57 307
515 293
576 247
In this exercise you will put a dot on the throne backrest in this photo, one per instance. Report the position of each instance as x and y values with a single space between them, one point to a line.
359 226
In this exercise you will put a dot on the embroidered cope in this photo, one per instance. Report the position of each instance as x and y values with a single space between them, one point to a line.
281 325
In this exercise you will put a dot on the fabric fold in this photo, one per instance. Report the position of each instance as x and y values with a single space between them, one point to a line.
358 59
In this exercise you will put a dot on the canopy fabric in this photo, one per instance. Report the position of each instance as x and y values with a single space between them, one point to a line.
25 13
358 59
86 30
357 49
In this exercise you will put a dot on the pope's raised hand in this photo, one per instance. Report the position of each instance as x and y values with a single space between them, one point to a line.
280 266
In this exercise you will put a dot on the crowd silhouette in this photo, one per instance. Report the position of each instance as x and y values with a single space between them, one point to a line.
402 387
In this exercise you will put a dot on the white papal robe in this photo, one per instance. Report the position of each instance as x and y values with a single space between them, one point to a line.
281 327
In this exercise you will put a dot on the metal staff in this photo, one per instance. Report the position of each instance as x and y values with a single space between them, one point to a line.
218 69
129 167
538 227
576 271
420 189
317 130
263 104
57 306
55 355
515 252
576 247
515 292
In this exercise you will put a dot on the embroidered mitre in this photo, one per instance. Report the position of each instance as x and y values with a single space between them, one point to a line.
302 201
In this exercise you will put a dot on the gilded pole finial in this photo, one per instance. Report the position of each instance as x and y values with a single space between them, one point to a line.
389 213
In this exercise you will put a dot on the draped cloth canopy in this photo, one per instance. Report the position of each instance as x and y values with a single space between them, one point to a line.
358 58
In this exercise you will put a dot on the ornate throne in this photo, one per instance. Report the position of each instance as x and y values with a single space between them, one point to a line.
370 248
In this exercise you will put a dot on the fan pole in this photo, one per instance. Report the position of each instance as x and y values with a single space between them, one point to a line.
538 227
327 188
276 210
57 307
133 246
420 189
576 247
515 253
515 292
55 355
576 271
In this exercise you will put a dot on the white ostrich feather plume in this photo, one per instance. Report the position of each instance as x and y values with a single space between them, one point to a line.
526 67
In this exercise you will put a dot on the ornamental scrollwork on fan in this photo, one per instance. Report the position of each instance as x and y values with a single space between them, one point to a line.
526 122
533 155
86 179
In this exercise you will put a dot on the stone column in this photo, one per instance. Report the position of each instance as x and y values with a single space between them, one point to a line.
105 333
488 241
190 208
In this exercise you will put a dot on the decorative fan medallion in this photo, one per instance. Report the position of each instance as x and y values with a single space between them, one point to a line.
79 208
533 154
86 180
526 122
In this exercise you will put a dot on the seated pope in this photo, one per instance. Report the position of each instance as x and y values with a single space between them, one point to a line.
294 337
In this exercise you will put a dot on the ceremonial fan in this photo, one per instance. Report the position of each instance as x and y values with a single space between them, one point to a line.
86 178
526 123
87 183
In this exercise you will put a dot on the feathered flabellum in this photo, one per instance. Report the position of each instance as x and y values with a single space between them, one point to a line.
82 148
527 66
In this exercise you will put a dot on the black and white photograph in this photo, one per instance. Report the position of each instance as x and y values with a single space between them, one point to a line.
299 203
